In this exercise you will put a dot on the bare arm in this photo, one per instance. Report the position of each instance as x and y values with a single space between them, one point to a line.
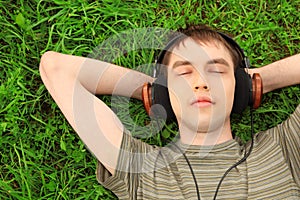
282 73
72 82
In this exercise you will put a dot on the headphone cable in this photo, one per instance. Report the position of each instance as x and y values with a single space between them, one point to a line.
191 169
246 155
240 161
186 159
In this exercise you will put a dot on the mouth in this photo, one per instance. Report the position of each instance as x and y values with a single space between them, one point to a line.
202 102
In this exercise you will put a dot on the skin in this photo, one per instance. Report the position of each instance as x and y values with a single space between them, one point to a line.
201 85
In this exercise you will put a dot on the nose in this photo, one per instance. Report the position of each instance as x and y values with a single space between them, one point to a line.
200 84
203 87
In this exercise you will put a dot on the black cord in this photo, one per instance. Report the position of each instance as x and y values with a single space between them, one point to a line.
191 169
187 161
246 155
240 161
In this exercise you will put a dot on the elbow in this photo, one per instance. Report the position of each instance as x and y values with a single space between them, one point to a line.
53 64
51 67
47 63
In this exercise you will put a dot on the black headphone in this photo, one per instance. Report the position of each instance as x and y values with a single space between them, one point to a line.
248 91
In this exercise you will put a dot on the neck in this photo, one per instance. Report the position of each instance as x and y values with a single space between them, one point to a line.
210 137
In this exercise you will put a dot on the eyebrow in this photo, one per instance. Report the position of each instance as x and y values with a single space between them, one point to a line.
180 63
221 61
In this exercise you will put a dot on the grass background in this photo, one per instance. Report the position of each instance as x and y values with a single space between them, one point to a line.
40 155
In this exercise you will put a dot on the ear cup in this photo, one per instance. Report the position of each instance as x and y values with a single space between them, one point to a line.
156 99
243 91
248 91
161 105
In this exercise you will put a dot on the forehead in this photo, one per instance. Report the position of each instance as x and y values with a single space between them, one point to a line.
199 52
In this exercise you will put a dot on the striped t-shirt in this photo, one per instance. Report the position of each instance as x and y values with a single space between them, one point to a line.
272 171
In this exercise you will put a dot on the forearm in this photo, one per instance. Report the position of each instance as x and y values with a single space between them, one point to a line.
99 77
122 81
279 74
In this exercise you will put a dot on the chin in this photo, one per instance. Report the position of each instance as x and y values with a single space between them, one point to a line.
204 125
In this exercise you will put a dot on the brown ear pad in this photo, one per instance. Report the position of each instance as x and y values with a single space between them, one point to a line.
146 97
257 89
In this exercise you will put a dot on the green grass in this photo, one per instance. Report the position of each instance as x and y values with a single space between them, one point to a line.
41 156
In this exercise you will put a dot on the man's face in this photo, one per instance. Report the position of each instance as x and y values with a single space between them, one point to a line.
201 85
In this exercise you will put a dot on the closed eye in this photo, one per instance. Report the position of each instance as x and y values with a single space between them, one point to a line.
183 70
216 69
182 67
182 73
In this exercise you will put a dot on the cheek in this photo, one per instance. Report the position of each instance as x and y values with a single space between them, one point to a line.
230 88
179 92
174 102
179 87
222 89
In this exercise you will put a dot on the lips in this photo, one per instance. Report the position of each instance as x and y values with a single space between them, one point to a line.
202 101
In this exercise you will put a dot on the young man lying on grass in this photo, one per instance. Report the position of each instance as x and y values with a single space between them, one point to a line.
200 72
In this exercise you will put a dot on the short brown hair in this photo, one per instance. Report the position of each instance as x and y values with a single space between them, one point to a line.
204 34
